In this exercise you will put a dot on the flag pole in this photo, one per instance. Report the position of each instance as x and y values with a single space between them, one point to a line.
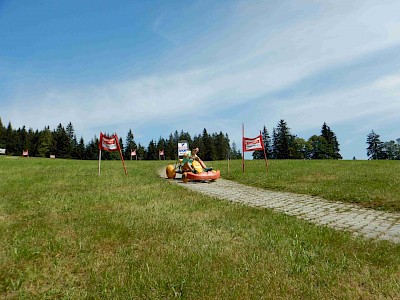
243 147
265 155
120 154
229 158
99 159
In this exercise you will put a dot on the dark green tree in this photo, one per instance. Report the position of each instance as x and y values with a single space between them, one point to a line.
282 141
208 152
10 140
375 146
79 152
391 150
62 143
235 152
92 150
152 152
318 147
161 145
171 151
221 143
130 144
2 130
45 143
332 145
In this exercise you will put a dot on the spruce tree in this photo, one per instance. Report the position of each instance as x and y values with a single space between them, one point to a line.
375 146
331 143
130 144
45 143
281 141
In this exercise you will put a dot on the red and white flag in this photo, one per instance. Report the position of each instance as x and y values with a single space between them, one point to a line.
253 144
109 143
161 152
133 153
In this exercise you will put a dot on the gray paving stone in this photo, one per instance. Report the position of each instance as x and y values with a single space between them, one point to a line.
359 221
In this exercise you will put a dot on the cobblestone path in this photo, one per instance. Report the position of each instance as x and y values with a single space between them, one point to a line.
360 221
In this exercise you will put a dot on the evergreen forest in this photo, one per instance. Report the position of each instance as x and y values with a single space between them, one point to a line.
62 142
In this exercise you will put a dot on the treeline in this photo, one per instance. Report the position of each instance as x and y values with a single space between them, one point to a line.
382 150
284 145
63 143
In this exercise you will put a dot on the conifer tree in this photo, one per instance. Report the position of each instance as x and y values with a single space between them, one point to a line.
281 141
130 144
375 146
45 143
331 143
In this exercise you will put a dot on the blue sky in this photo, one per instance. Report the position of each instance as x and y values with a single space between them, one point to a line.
160 66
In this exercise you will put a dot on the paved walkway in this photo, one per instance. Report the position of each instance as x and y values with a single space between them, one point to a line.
360 221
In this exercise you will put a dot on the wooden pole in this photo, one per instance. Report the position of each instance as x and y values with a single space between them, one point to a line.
265 155
99 159
243 147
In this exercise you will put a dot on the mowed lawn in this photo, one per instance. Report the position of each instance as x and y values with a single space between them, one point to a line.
67 233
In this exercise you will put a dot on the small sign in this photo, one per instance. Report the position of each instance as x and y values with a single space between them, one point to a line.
2 151
183 147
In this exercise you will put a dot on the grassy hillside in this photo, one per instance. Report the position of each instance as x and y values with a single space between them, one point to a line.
67 233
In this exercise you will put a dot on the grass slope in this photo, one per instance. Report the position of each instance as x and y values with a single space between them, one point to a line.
67 233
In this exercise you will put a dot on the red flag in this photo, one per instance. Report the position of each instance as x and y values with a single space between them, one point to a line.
161 152
109 143
253 144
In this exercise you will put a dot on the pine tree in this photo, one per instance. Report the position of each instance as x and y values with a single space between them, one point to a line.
45 143
73 143
62 142
375 146
332 145
10 140
235 152
171 149
281 141
208 153
152 153
80 149
130 144
2 134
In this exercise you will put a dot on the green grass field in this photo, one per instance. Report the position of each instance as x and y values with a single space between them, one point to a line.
67 233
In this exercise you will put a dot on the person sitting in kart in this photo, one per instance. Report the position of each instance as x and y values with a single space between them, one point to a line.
193 163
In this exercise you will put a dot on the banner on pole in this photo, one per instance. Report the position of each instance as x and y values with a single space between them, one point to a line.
253 144
161 152
109 143
133 153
